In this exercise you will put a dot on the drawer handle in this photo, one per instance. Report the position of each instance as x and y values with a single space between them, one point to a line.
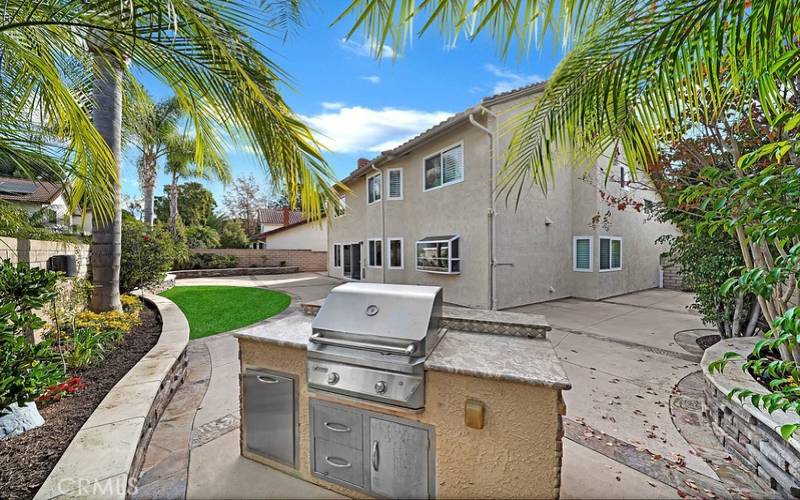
376 456
335 427
267 379
334 462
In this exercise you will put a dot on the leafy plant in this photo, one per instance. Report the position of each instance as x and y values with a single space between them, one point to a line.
210 261
233 235
86 346
25 286
26 369
68 387
146 255
202 237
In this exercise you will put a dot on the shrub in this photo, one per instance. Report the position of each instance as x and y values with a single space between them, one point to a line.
210 261
109 320
233 235
26 369
146 255
86 346
26 287
202 237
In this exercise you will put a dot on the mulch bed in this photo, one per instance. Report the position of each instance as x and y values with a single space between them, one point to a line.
707 341
26 460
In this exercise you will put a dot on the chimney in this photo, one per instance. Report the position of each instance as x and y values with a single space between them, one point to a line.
285 216
362 162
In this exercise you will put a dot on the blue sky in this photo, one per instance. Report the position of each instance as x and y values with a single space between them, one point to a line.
360 105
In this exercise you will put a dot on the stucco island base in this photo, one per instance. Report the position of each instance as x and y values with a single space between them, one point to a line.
516 455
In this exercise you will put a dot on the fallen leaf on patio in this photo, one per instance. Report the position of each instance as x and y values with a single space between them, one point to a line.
588 434
682 493
651 483
691 484
618 478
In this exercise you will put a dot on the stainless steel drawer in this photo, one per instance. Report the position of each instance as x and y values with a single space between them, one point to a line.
336 461
338 425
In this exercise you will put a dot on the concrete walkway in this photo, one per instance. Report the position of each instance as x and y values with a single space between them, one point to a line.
621 442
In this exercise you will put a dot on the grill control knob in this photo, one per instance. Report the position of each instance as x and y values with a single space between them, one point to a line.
333 377
380 387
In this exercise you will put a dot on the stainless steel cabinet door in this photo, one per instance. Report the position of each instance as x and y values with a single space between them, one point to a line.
269 415
398 459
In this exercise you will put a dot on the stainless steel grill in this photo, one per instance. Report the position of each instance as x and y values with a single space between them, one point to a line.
370 341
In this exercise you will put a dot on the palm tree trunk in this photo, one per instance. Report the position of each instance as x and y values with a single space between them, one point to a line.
173 203
148 179
106 246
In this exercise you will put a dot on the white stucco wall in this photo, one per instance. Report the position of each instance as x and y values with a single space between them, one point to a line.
308 236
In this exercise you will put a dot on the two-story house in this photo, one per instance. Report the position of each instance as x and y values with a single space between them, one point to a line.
427 212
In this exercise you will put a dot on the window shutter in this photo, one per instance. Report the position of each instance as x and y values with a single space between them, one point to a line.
395 184
616 254
605 253
452 164
582 253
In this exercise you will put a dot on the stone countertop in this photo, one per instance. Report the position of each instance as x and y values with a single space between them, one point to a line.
499 357
484 355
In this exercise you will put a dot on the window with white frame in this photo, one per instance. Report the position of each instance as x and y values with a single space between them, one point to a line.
610 253
439 254
375 252
582 253
394 183
395 252
374 189
340 209
337 255
443 168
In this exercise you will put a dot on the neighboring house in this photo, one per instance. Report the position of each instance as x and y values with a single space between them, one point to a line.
38 198
80 223
273 218
426 213
296 234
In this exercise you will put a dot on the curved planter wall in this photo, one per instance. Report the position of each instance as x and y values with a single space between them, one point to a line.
105 456
745 431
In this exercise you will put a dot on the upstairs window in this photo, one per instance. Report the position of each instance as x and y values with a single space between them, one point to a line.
374 189
340 208
395 182
375 253
444 168
610 254
439 254
582 254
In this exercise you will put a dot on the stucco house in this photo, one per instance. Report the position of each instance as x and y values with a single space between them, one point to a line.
293 233
43 199
426 212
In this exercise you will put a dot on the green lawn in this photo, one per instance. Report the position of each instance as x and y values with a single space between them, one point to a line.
217 309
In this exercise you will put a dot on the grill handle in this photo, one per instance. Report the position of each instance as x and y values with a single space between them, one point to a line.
404 351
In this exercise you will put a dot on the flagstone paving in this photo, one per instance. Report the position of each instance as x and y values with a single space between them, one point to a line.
632 381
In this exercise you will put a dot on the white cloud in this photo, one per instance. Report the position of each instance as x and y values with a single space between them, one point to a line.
332 105
508 80
372 79
354 129
367 48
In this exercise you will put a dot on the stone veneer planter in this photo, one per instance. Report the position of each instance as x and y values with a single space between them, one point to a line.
233 271
105 456
748 433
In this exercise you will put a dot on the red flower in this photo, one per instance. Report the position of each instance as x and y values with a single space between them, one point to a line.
146 237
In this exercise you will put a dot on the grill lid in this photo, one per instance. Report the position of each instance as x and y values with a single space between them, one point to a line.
405 312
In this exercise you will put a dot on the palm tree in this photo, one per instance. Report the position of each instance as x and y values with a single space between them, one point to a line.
202 50
181 163
151 124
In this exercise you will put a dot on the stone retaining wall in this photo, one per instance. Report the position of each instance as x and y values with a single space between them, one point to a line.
746 432
36 252
233 271
304 260
105 456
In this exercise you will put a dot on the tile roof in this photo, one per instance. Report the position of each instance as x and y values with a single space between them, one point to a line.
275 216
12 189
261 236
444 125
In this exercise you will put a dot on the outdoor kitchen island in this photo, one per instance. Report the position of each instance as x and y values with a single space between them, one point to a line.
387 393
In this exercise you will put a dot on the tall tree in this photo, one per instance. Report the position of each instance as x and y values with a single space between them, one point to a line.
203 50
242 201
182 163
151 124
195 204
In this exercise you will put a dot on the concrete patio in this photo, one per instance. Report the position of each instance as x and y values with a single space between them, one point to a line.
620 436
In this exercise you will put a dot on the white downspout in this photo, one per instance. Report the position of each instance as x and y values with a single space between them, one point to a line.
383 228
492 211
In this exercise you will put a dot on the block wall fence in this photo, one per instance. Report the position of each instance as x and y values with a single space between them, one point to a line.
36 252
304 260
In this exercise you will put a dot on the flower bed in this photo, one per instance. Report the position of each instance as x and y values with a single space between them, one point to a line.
26 460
